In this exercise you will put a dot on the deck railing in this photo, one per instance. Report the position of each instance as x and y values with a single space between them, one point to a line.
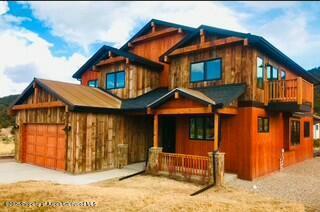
185 165
294 90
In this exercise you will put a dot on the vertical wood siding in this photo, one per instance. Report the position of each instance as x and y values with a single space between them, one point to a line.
139 79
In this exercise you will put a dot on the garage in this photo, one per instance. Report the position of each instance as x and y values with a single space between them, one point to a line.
45 145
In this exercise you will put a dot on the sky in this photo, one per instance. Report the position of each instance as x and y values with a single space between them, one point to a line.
51 40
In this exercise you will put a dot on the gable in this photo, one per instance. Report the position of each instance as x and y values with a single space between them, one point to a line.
77 97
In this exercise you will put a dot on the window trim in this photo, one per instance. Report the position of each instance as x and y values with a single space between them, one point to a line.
272 68
115 80
285 74
304 128
96 83
204 128
263 127
263 72
291 145
205 70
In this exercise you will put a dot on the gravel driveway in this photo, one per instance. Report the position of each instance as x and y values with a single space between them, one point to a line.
300 183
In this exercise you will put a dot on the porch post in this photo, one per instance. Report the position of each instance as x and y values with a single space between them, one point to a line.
155 130
216 131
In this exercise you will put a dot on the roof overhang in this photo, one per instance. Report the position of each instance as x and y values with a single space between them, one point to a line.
187 93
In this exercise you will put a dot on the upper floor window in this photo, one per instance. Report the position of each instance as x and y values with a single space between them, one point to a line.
306 128
283 75
272 72
93 83
201 128
206 71
260 72
116 80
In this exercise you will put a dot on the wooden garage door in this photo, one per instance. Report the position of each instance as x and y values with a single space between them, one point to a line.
44 145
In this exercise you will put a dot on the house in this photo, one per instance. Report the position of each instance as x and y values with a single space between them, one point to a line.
186 92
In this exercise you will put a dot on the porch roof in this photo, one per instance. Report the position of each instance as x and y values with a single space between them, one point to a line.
218 95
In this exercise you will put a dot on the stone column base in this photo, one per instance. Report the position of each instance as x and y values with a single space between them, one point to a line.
219 168
122 153
211 167
153 161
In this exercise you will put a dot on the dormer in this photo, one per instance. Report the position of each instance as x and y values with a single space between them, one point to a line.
127 75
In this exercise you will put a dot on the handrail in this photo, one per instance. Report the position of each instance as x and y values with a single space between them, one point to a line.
188 165
293 90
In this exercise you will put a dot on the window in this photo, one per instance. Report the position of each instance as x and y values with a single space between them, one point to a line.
272 73
295 132
306 128
260 72
283 75
93 83
206 71
116 80
263 124
201 128
317 127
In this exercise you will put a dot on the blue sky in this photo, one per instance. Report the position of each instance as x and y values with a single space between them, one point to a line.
53 39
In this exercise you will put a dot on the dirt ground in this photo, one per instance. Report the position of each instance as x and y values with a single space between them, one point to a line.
140 193
6 142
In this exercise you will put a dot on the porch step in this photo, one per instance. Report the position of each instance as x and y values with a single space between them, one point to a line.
228 177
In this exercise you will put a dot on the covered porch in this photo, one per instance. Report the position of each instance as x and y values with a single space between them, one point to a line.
187 136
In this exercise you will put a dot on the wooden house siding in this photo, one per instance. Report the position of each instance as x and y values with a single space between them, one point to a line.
153 49
251 154
92 138
89 75
237 67
139 79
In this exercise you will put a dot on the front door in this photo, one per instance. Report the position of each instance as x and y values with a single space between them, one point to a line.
168 134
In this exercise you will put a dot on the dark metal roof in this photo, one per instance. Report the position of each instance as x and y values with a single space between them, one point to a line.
141 102
185 92
220 96
254 40
146 28
224 94
102 53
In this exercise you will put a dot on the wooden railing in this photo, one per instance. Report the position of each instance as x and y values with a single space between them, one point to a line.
185 165
294 90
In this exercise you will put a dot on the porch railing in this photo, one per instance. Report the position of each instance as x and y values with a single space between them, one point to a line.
185 165
295 90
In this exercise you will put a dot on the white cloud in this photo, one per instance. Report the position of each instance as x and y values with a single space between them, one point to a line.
85 23
3 7
22 48
289 33
269 5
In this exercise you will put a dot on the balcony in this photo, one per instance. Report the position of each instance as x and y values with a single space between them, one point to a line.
294 95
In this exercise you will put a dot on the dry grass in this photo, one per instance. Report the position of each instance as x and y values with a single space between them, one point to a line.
6 142
141 193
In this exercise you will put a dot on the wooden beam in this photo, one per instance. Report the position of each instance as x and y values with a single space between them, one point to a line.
110 54
299 90
178 111
36 92
155 130
176 95
202 36
228 111
216 131
206 45
38 105
153 26
156 34
112 60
